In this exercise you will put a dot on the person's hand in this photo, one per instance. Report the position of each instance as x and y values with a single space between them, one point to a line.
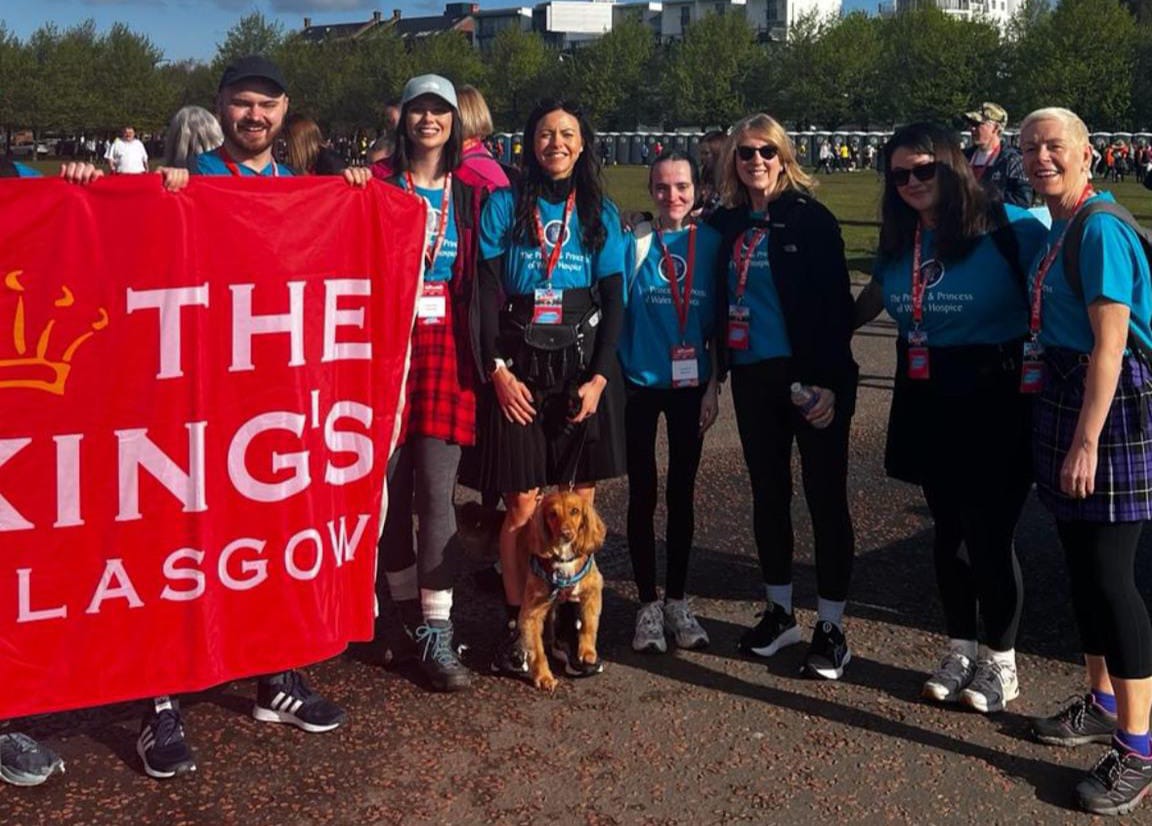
1078 473
709 406
822 413
513 396
589 394
358 176
174 178
78 172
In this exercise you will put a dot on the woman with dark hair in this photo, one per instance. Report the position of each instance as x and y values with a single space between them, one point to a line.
668 355
1091 451
950 272
440 411
788 307
307 152
551 308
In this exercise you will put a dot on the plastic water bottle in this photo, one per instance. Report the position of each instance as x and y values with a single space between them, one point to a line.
804 398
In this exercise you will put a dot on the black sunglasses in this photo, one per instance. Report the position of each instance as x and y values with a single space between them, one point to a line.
767 152
922 172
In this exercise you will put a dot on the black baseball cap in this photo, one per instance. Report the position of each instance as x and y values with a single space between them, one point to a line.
252 67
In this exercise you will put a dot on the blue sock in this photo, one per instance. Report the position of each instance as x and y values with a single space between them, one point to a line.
1105 701
780 595
1137 743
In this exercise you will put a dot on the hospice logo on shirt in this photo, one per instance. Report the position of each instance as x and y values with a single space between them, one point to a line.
678 263
932 271
433 222
552 232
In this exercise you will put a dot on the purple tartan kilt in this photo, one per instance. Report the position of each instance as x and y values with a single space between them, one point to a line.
1123 491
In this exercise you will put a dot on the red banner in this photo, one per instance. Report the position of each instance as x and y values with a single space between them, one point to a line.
199 395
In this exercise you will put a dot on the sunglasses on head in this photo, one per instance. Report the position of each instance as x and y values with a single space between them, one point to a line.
767 152
923 172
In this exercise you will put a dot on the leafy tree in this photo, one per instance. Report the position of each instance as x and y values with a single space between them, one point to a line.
703 79
613 76
517 61
451 55
135 92
16 102
253 34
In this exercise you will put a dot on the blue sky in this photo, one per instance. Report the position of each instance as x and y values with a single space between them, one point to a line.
192 28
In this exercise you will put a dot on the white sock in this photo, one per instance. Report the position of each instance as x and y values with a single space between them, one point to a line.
780 595
966 647
403 584
830 611
436 605
1005 658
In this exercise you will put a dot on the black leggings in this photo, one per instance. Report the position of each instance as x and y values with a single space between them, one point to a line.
768 422
1112 616
681 409
981 514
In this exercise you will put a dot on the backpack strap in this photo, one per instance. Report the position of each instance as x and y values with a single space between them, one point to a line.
1074 236
1008 245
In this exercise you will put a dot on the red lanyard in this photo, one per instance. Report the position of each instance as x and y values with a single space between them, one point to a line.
978 171
919 283
682 301
1046 264
235 170
742 255
549 259
430 252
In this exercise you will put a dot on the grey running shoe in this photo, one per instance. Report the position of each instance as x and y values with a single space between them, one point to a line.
685 628
951 677
649 634
1116 784
993 686
24 762
1082 722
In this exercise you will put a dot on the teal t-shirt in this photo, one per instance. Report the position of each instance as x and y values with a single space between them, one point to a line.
442 267
651 324
1112 266
212 163
768 337
523 263
978 300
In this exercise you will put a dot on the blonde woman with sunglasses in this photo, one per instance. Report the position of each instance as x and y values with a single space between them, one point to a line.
786 301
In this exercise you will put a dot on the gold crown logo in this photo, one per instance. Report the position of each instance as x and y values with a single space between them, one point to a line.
39 370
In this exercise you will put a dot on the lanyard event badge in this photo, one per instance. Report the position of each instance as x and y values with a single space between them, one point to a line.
918 367
685 368
549 303
1032 371
740 316
432 306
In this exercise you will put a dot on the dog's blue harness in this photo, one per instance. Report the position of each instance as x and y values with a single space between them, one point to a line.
558 584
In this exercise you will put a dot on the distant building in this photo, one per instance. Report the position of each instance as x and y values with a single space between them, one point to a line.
647 12
998 11
567 23
490 22
774 18
457 17
347 31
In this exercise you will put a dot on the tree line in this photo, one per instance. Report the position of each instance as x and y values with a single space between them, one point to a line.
870 72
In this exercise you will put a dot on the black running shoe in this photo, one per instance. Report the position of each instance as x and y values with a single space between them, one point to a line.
776 629
438 659
828 653
161 742
1082 722
566 645
24 762
1116 784
509 658
286 698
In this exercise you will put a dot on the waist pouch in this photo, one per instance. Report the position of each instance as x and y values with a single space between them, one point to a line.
548 355
962 370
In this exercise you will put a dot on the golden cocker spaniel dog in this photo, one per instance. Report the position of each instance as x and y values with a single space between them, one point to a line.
558 546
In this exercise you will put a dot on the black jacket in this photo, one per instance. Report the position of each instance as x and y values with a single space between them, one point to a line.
1004 179
806 256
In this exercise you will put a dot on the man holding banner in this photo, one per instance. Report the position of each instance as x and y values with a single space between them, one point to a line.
196 426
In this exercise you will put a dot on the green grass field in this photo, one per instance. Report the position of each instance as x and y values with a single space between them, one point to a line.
853 197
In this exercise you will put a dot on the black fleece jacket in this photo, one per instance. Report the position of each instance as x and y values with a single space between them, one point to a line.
806 256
